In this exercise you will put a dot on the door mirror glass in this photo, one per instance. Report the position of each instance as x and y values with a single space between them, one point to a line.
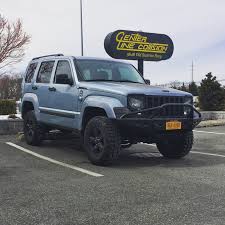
147 81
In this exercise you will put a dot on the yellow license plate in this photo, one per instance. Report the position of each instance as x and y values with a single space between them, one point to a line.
173 125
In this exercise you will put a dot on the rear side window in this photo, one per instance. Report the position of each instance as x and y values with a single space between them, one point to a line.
45 71
30 72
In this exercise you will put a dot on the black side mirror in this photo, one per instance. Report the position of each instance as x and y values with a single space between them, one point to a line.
147 81
64 79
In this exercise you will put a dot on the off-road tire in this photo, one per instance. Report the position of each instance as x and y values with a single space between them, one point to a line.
110 141
176 146
34 136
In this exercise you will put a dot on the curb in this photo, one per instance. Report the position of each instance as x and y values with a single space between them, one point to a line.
15 126
11 126
211 123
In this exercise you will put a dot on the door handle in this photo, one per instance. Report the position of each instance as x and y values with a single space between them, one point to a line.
34 87
52 89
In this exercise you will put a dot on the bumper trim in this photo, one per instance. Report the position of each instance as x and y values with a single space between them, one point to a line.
157 111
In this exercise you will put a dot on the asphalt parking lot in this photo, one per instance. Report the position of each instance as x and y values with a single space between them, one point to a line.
56 184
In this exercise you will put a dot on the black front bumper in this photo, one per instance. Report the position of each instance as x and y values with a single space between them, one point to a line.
141 123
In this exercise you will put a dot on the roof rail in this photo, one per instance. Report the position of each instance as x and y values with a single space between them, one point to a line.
47 56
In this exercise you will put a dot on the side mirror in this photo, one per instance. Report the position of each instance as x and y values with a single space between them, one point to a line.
147 81
64 79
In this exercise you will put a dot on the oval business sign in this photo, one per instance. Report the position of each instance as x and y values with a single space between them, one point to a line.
134 45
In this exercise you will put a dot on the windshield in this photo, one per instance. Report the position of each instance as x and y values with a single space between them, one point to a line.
100 70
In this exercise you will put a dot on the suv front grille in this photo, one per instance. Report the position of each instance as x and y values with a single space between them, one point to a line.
170 111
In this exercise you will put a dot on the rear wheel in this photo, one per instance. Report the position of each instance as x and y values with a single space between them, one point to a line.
176 146
32 130
101 141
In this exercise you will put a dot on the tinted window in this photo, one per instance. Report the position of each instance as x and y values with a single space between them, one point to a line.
30 72
45 71
62 69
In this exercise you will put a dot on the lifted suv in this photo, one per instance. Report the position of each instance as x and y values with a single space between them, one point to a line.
108 103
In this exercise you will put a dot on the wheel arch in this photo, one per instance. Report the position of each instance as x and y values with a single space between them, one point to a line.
30 102
98 106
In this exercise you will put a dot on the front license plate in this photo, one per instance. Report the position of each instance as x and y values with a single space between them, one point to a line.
173 125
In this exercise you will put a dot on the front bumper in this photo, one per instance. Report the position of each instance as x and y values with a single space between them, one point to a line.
149 121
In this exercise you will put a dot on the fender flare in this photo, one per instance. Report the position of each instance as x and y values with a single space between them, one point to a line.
30 97
103 102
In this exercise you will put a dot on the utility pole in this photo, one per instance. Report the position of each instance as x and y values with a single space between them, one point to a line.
81 28
192 72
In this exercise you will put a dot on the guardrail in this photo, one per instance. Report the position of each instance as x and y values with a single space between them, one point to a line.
213 115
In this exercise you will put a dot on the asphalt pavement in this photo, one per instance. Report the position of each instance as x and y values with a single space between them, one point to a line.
55 184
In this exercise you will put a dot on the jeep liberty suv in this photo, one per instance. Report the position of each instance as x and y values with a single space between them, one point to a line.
109 103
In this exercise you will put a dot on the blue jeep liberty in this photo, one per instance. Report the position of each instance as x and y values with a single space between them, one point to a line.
108 103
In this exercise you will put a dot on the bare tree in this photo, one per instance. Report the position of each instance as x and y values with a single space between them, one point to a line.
12 42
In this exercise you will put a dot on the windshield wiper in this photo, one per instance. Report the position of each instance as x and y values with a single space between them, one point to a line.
99 80
131 81
114 81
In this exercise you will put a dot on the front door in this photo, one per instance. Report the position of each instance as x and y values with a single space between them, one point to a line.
63 96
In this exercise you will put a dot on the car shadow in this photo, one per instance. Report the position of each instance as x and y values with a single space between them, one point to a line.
137 156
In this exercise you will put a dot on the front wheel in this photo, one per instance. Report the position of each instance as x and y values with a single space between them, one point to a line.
101 141
176 146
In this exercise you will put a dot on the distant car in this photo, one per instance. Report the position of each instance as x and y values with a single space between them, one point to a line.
108 103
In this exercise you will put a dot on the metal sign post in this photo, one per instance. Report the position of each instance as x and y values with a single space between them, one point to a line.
141 66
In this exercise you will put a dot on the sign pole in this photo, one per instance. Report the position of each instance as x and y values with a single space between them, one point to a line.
141 66
81 28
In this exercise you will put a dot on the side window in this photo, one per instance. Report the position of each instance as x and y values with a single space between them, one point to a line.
30 72
45 71
63 71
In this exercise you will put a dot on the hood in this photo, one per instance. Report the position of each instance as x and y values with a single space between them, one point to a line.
125 88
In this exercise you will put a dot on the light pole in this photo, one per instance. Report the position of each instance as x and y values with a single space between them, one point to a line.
81 28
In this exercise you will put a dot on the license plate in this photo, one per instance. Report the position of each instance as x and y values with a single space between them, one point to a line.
173 125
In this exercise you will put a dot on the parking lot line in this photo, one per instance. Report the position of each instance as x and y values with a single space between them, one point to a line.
55 161
211 154
208 132
196 152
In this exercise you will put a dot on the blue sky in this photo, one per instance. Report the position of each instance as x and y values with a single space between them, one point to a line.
196 28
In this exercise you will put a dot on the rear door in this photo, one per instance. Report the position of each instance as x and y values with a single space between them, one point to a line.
41 87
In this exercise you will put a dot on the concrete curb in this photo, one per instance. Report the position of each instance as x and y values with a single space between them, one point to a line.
211 123
14 126
213 115
11 126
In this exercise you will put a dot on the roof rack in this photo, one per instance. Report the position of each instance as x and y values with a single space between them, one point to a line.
47 56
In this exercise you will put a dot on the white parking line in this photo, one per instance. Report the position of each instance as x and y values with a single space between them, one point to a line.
196 152
55 161
211 154
208 132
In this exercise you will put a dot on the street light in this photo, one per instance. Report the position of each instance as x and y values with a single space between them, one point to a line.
81 28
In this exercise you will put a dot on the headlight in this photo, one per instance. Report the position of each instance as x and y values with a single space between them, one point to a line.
136 102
